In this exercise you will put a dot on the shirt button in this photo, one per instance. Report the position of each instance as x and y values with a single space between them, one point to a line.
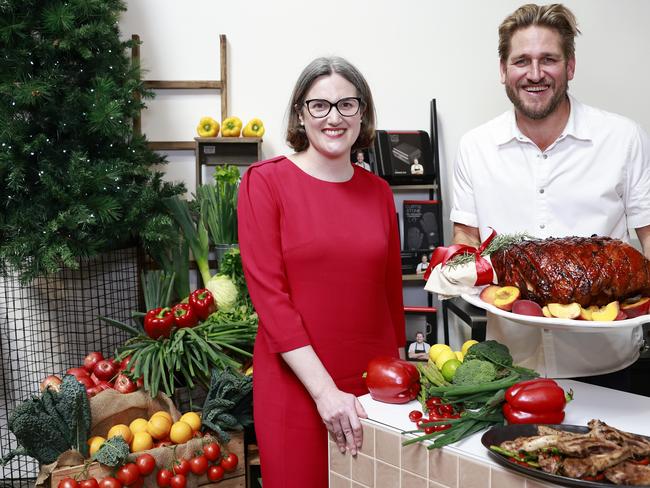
541 226
541 190
544 156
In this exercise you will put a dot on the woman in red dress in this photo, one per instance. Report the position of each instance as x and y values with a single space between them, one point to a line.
321 254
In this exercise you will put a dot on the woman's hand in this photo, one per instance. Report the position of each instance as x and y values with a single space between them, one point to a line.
341 412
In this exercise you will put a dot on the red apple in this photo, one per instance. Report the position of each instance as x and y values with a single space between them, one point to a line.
105 370
104 385
124 384
86 381
52 381
125 363
91 360
92 391
78 372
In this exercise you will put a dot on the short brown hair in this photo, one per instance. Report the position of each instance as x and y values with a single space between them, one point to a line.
554 16
296 135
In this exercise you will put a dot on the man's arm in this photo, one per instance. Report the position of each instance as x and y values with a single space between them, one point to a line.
464 234
643 234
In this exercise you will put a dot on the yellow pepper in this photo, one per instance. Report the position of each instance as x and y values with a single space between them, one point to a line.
231 127
254 128
208 127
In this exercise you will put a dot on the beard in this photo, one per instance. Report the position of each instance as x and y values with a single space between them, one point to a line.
541 112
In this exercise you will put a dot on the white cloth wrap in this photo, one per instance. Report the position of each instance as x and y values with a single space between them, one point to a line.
453 281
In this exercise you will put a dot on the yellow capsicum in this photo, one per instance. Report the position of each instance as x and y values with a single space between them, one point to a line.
254 128
231 127
208 127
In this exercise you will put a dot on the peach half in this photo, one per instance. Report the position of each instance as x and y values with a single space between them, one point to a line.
505 297
607 313
585 313
545 312
527 307
637 307
565 311
488 294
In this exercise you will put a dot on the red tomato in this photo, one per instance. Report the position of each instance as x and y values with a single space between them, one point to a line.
110 482
212 451
128 474
182 467
415 415
199 464
215 473
89 483
229 462
163 477
67 483
178 481
146 463
445 409
432 402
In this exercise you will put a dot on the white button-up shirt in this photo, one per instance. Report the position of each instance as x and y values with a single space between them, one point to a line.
594 179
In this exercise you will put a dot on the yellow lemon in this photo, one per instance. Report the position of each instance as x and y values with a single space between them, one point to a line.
459 355
193 419
466 345
121 430
142 441
167 415
181 432
443 357
95 443
436 349
138 425
158 427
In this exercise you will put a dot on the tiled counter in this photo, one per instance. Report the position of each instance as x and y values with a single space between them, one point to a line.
384 463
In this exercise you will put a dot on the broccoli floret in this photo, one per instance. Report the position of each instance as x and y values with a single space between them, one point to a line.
491 351
475 371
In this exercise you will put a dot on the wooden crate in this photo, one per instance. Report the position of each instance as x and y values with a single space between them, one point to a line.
234 479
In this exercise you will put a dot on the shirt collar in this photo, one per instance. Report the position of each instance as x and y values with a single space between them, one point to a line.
576 127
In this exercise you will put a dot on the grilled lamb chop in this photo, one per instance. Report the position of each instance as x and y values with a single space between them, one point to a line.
639 445
628 474
586 270
550 463
569 444
594 464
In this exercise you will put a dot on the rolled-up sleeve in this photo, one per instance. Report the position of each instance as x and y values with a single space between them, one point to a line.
637 201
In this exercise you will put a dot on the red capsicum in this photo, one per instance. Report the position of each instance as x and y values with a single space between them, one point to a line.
184 316
391 380
159 322
202 302
539 401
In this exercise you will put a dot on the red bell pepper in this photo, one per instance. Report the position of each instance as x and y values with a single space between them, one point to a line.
159 322
184 315
539 401
391 380
202 302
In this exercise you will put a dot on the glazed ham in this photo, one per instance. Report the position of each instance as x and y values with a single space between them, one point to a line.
586 270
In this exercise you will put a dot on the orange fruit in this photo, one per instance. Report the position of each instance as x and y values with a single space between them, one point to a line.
181 432
192 418
142 441
138 425
158 426
121 430
95 443
167 415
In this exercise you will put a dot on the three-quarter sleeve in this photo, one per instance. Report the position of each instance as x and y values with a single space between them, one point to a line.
259 220
394 274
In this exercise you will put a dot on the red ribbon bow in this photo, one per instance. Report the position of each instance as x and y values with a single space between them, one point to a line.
443 254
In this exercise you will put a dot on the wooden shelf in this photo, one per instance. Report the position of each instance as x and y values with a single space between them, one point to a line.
412 277
415 187
232 140
183 85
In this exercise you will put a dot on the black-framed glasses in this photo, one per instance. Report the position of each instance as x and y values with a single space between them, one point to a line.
347 107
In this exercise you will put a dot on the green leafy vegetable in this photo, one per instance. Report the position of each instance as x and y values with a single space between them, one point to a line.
113 452
474 371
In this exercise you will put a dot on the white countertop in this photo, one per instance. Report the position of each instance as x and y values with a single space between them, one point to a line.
624 411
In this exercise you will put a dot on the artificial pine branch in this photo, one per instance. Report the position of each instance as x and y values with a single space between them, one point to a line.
499 242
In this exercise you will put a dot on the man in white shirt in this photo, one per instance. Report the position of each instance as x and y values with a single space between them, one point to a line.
552 167
419 349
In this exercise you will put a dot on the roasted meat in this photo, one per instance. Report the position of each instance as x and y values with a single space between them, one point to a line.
586 270
628 474
592 465
639 445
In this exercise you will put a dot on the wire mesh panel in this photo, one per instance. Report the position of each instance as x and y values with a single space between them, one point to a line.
50 325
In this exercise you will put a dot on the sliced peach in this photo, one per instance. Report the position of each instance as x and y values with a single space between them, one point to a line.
637 307
488 294
621 315
545 312
527 307
585 313
606 313
505 297
565 311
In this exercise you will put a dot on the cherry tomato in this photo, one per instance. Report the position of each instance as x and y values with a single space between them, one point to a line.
68 483
110 482
182 467
432 402
445 409
163 477
199 464
415 415
215 473
89 483
128 474
212 451
430 430
138 484
146 463
229 462
178 481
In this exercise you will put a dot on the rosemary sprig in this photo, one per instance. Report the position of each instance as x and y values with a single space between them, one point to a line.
499 242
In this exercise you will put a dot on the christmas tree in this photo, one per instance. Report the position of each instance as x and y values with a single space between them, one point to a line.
75 179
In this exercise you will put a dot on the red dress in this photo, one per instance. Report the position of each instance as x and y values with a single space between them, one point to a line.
322 264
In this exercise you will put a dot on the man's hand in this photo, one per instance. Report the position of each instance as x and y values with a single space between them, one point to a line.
464 234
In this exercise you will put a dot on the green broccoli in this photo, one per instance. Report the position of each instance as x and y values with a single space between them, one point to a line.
474 372
491 351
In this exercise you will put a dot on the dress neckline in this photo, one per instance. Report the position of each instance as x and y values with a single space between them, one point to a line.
300 170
